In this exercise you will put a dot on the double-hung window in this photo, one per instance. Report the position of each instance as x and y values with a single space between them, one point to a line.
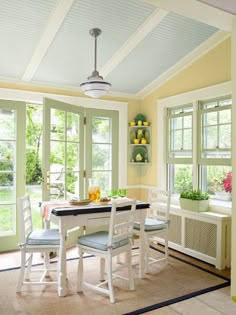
214 154
180 148
198 152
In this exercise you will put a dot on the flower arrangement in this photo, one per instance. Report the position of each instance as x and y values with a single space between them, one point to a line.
227 182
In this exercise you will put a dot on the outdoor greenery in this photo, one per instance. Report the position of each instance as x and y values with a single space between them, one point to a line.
194 195
216 179
183 179
33 138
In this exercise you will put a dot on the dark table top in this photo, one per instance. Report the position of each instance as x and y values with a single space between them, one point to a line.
92 208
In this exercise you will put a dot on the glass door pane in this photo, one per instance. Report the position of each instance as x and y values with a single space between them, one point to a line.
63 163
34 130
102 148
11 170
7 170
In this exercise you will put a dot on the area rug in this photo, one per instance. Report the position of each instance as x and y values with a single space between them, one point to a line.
164 285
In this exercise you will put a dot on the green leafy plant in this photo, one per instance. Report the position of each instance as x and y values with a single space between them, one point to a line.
139 117
194 195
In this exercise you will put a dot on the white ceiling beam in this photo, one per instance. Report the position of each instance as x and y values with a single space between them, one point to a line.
185 62
150 23
54 23
197 11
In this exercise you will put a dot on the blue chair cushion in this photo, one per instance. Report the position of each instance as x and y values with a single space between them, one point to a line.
44 237
99 241
152 225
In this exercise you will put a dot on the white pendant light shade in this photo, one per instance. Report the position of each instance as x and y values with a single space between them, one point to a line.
95 86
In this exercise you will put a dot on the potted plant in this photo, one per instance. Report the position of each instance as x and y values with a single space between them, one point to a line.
139 119
194 200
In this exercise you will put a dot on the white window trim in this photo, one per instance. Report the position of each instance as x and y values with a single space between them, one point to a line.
176 100
121 107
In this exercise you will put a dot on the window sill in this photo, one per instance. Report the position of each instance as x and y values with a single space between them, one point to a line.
221 206
217 206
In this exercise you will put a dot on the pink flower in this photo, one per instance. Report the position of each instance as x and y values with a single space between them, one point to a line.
227 183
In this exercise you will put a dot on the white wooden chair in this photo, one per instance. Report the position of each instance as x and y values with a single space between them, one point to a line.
42 241
156 226
108 244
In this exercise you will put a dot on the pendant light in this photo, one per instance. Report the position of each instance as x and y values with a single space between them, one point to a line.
95 86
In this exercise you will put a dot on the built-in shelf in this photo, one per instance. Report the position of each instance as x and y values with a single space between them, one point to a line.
139 153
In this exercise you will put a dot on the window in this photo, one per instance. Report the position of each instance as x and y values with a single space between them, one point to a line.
180 148
215 140
198 151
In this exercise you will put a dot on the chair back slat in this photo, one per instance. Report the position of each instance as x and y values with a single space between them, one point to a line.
121 236
122 216
25 216
121 221
122 225
159 204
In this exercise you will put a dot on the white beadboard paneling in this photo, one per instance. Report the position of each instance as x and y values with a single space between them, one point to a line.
21 25
73 47
170 41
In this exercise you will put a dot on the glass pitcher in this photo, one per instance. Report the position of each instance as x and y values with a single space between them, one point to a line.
93 189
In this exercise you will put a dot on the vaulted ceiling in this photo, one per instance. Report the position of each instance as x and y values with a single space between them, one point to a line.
143 42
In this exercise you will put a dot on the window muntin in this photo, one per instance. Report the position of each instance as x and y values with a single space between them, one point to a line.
180 132
215 117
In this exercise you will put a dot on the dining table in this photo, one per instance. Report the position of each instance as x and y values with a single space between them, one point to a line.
67 216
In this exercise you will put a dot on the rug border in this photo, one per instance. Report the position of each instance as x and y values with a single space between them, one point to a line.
186 296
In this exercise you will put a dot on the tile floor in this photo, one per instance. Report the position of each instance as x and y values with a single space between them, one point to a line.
213 303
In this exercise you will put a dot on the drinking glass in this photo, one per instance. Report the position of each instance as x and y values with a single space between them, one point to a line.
112 193
122 192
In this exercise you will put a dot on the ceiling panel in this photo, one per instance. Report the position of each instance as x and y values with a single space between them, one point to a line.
70 59
171 40
21 25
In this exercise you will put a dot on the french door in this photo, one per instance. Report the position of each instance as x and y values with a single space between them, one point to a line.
78 143
101 147
12 166
63 147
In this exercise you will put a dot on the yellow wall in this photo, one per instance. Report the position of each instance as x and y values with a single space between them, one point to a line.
213 68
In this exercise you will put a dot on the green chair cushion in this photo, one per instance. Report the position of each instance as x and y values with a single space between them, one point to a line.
99 241
152 225
44 237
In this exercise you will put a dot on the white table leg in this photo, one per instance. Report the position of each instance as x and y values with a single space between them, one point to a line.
142 216
46 225
62 261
